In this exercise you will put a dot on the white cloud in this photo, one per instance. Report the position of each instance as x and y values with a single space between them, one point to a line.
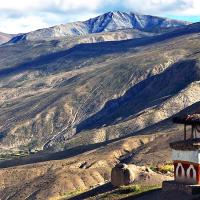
26 15
49 5
172 7
23 24
28 23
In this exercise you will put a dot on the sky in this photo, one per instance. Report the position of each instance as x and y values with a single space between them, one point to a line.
19 16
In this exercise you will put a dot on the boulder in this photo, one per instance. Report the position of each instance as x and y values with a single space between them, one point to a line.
122 174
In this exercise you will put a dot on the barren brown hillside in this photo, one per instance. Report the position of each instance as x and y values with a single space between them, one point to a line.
56 178
107 90
53 179
76 106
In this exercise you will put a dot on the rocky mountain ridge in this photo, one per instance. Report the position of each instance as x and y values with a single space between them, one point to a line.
108 22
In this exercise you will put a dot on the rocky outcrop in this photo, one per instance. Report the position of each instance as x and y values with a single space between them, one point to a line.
122 174
125 174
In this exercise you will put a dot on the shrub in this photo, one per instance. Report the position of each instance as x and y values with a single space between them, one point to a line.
166 168
129 189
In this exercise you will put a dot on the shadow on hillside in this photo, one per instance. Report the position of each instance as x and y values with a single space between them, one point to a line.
93 50
103 189
94 192
47 156
152 195
148 93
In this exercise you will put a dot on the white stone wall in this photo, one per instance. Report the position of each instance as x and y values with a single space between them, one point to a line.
189 156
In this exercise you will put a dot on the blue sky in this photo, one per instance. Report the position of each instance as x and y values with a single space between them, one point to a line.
17 16
186 18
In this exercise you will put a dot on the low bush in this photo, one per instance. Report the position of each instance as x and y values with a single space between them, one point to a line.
129 189
166 168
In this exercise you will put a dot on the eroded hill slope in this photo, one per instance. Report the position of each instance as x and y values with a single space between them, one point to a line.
102 88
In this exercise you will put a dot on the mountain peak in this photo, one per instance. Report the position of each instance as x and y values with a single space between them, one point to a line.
116 13
108 22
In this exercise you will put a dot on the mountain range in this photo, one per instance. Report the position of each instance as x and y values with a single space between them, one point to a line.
84 96
61 81
108 22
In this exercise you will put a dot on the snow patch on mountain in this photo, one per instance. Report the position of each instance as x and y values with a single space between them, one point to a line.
108 22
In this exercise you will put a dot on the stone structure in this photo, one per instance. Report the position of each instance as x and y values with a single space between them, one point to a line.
186 153
186 158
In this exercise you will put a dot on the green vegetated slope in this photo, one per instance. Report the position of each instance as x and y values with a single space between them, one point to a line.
53 91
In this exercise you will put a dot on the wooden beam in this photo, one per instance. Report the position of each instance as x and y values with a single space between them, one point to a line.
185 132
192 132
